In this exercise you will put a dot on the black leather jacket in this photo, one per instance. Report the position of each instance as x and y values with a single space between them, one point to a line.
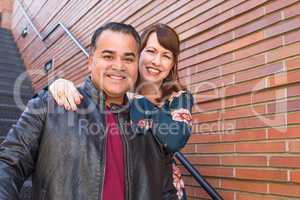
65 153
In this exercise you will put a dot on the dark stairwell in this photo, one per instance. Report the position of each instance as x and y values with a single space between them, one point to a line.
11 67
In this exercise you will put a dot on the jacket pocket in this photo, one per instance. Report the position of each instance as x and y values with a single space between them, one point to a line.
43 194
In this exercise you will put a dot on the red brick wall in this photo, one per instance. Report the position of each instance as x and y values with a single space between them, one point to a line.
241 60
5 12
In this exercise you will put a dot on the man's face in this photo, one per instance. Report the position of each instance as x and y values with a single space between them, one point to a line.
114 63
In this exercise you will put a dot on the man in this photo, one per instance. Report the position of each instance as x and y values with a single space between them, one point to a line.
90 154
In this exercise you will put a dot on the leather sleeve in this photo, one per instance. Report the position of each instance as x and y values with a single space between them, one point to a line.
18 152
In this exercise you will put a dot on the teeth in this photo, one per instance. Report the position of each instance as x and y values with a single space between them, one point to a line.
116 77
155 71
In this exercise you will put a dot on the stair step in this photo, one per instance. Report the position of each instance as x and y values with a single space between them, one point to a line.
4 46
11 61
8 111
8 98
4 31
5 52
19 68
6 39
12 79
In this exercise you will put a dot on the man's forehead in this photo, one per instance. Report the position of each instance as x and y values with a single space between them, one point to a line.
116 40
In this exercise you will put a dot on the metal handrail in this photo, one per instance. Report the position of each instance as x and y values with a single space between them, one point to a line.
59 24
184 161
194 172
29 20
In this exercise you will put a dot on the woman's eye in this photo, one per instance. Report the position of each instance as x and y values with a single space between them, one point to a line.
167 57
150 51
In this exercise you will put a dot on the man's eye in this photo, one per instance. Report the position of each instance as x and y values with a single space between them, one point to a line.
107 57
129 59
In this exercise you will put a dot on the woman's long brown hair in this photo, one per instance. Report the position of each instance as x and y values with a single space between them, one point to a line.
168 38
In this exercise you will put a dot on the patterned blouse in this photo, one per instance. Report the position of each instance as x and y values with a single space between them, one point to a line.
170 124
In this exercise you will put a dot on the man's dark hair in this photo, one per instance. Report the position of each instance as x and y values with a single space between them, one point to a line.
117 27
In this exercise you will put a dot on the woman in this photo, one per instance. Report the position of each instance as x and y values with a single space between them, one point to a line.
160 104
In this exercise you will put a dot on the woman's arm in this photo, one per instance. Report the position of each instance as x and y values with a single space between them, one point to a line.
172 125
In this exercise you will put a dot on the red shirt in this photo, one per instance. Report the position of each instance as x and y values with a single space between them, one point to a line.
114 178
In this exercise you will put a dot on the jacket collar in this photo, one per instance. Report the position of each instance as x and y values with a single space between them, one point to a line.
98 97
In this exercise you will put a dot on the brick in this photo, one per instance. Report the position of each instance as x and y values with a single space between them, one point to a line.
284 52
213 84
282 133
293 63
247 186
284 106
255 122
293 90
284 78
293 118
273 6
258 24
236 44
245 87
285 161
206 45
244 112
257 161
263 46
244 136
189 148
215 148
295 176
259 72
226 58
268 95
215 171
243 42
208 106
243 64
285 189
294 146
283 27
204 138
291 11
261 147
194 18
242 19
248 196
204 160
261 174
248 5
206 117
291 37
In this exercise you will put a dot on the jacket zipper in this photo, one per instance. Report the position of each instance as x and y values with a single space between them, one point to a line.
102 107
126 157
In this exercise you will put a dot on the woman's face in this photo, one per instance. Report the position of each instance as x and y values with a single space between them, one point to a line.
155 61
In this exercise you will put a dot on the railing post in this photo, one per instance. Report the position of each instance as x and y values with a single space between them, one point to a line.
206 186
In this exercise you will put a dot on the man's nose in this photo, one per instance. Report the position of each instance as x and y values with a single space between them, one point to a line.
118 64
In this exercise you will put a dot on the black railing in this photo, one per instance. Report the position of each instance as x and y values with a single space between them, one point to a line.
184 161
194 172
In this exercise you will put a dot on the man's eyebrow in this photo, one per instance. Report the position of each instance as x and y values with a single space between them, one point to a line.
108 51
130 54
